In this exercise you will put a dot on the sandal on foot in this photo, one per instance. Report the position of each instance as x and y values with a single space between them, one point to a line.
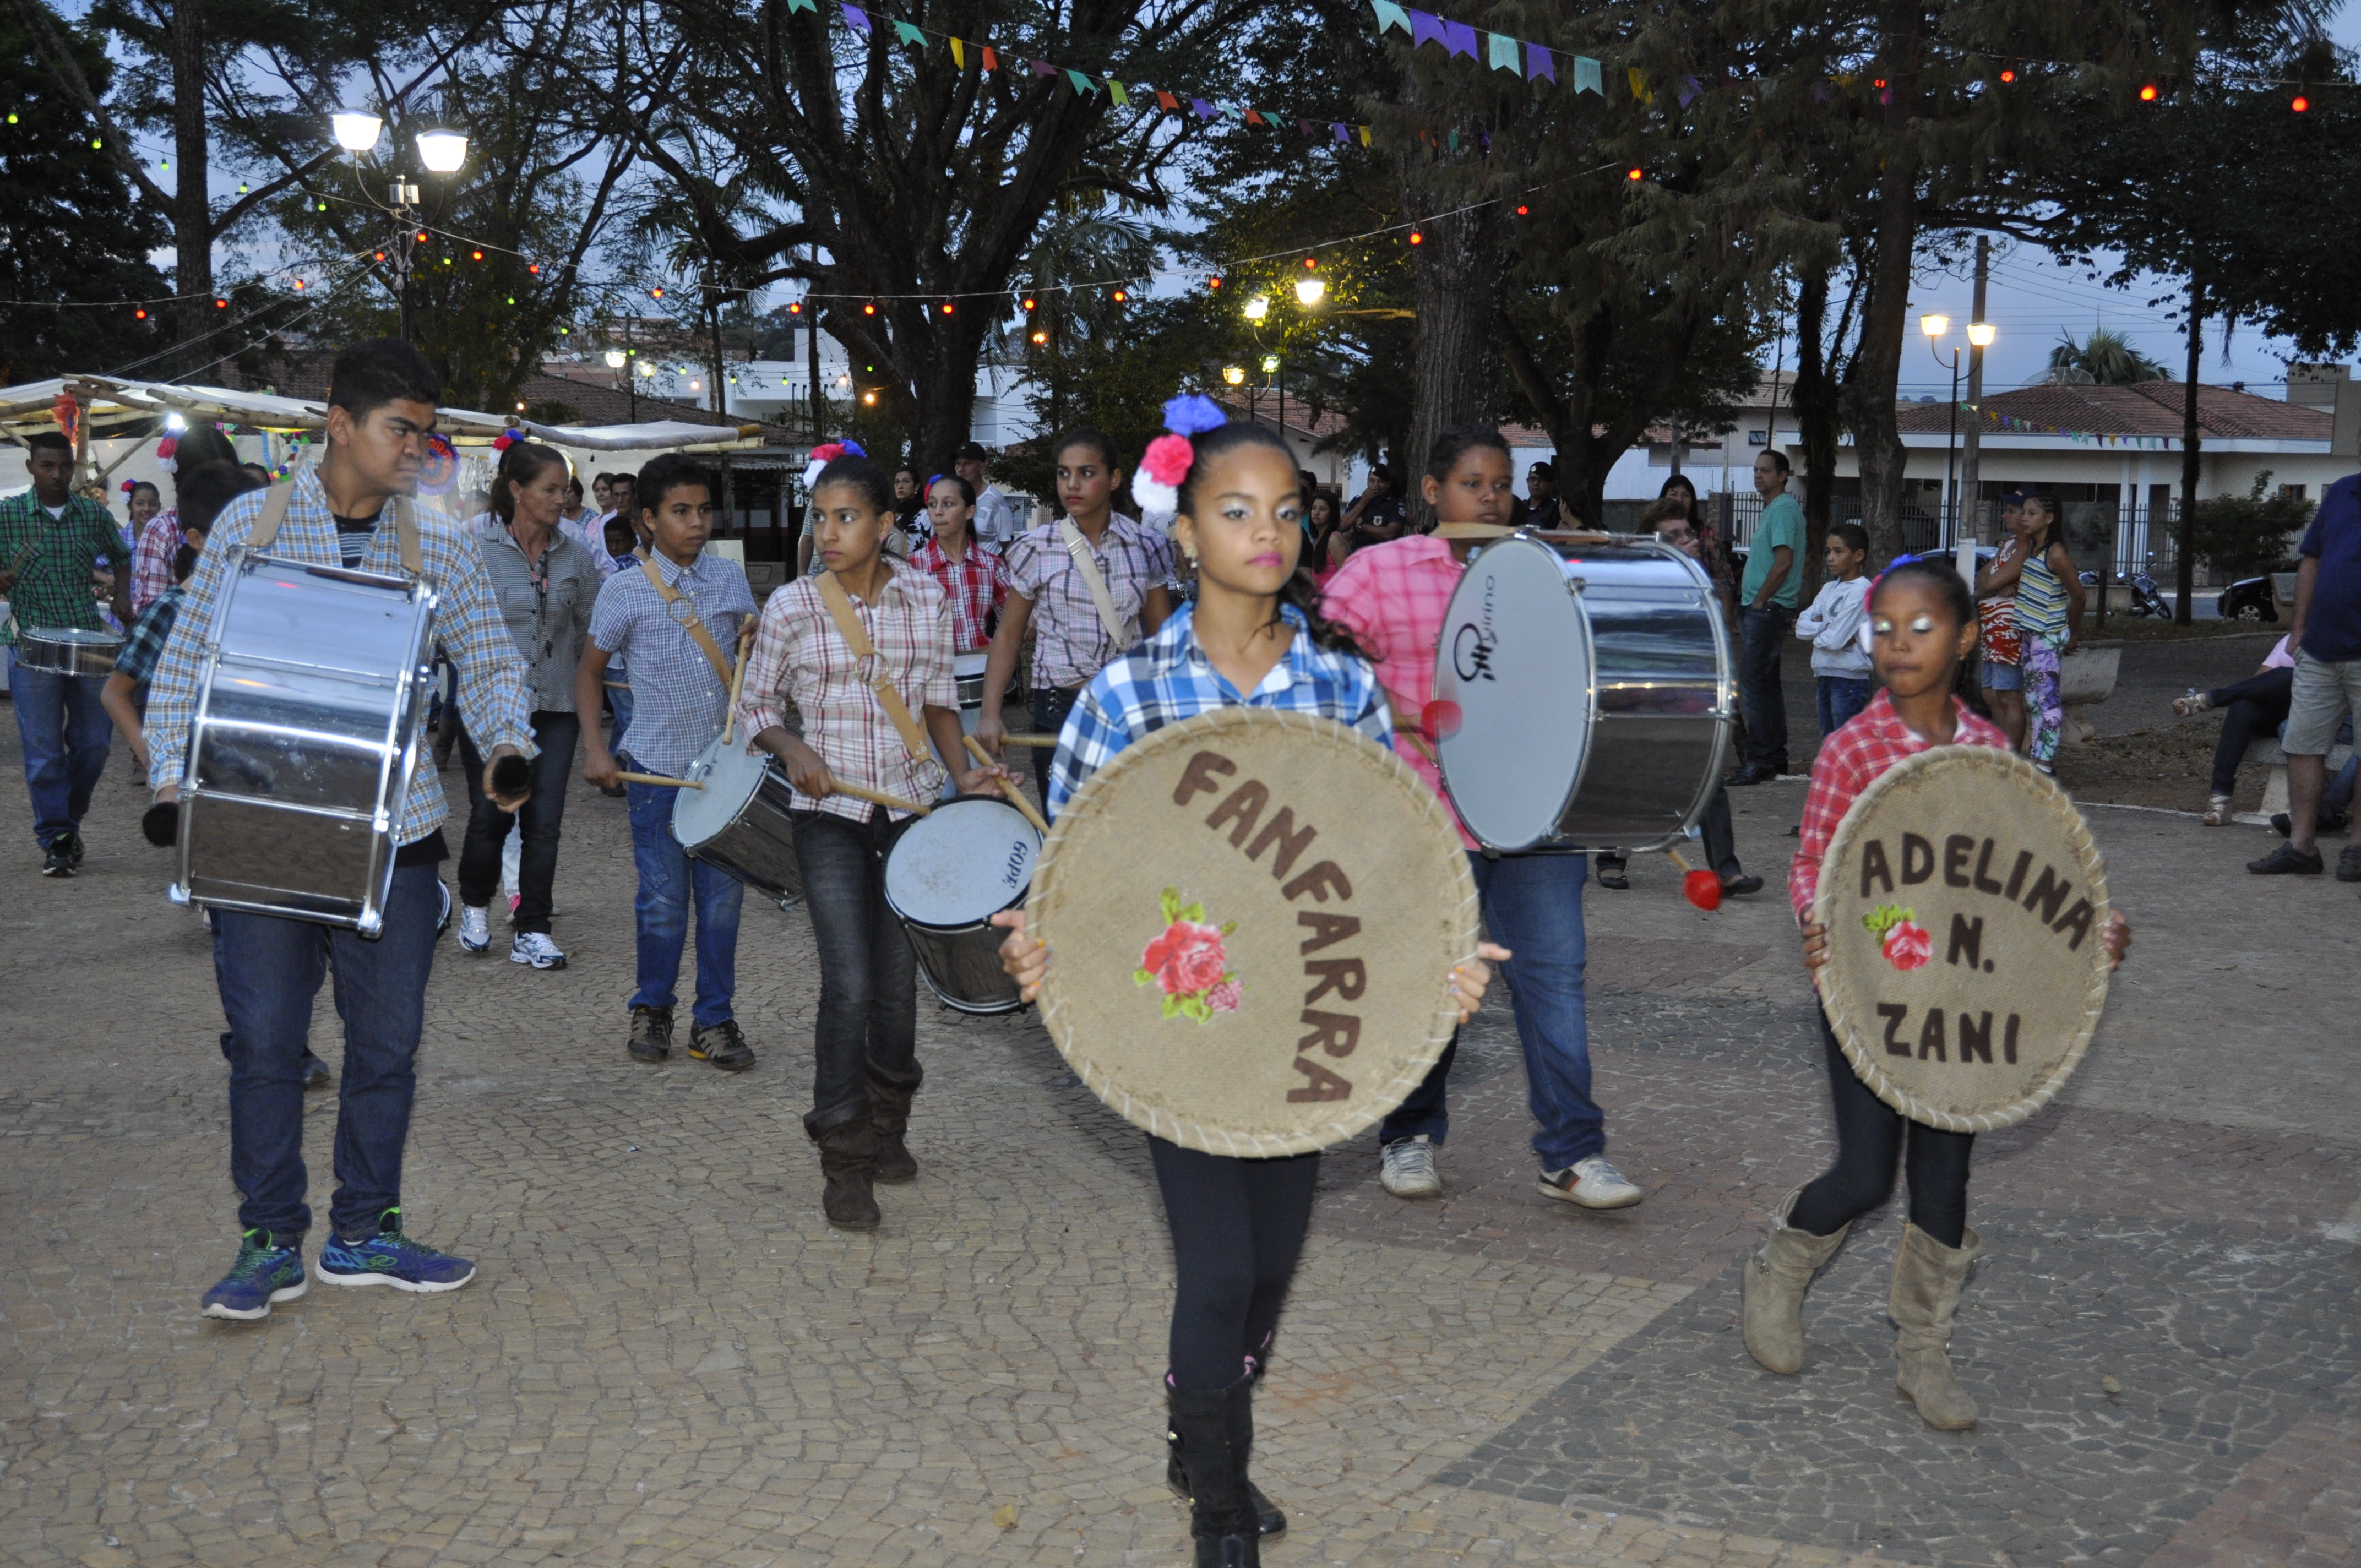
2217 811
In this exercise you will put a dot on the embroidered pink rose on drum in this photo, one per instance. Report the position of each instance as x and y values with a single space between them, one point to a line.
1906 944
1188 963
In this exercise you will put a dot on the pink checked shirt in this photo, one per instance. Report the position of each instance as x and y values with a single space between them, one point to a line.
1393 596
977 584
152 559
1873 741
800 655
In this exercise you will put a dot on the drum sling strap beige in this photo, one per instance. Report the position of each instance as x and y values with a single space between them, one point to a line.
274 512
694 625
847 626
1125 632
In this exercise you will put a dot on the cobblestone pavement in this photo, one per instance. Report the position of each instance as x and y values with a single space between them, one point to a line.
668 1359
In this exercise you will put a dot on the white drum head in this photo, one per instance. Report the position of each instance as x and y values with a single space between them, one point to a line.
730 778
969 861
1512 685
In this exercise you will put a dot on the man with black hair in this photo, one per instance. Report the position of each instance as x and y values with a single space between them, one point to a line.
49 536
382 397
996 520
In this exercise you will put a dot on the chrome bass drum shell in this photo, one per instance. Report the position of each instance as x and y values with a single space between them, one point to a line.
313 685
947 875
1584 694
68 650
738 821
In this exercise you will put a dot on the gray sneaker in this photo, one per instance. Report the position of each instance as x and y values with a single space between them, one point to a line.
1591 1183
1406 1167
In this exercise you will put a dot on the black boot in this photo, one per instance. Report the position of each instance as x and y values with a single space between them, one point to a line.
847 1164
1221 1519
889 1118
1268 1519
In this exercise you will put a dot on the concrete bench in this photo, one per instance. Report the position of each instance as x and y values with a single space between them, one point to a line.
2264 748
2085 676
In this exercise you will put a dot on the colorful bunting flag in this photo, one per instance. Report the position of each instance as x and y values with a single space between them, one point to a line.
991 57
1461 37
1689 90
1204 110
1539 62
1084 85
1585 76
1338 126
1364 135
1116 91
1166 101
1254 118
1502 53
1426 28
856 18
1392 16
795 6
905 34
958 52
1640 86
1043 67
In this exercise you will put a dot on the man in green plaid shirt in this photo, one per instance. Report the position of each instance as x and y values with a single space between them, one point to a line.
50 538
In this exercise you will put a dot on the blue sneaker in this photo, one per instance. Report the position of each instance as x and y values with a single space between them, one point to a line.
264 1273
391 1258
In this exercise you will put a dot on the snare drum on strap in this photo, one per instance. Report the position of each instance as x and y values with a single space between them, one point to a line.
68 650
738 821
946 876
1582 698
312 687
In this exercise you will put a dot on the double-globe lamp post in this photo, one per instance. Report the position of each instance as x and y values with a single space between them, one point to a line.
1979 338
439 152
1309 292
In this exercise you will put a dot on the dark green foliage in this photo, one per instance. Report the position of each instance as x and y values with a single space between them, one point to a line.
2239 536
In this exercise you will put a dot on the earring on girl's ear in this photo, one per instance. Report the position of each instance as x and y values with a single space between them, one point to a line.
1190 551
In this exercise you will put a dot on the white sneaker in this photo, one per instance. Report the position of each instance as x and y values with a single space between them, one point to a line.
474 929
1593 1183
536 949
1407 1167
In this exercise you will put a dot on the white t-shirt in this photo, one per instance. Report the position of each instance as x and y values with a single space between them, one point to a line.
996 520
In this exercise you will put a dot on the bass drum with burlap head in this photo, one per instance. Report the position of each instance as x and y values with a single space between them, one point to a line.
1252 916
1965 906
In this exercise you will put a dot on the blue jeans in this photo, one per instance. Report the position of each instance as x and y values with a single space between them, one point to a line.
66 734
269 970
1841 700
1532 905
668 878
868 1021
1763 633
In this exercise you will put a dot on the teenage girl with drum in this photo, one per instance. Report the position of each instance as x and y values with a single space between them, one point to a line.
1255 636
1923 623
865 1069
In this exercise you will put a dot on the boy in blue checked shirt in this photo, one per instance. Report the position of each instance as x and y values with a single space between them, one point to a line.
679 698
204 491
382 398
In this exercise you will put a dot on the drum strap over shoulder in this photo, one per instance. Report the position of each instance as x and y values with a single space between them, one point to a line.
1125 632
274 512
847 626
694 625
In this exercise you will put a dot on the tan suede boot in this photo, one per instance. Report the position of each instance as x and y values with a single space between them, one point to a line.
1927 1279
1772 1285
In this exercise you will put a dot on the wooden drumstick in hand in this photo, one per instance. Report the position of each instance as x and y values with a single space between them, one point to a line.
1008 787
737 679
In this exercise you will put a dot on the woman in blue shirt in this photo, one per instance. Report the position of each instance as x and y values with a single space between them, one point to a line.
1253 637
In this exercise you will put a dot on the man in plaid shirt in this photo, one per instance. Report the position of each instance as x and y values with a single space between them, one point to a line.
48 537
382 397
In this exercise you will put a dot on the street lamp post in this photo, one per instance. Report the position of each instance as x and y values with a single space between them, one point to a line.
1935 326
440 152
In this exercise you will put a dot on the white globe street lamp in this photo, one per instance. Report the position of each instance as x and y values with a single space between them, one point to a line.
356 132
442 151
1310 291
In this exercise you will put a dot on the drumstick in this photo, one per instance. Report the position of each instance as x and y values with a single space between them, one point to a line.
1413 731
1047 742
1008 787
876 797
657 779
737 681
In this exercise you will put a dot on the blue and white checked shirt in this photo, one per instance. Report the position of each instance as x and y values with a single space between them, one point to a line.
1168 678
492 701
677 700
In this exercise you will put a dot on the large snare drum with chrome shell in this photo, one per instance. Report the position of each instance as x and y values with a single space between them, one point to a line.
1583 695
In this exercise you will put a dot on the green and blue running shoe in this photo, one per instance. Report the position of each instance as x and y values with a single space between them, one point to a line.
264 1274
391 1258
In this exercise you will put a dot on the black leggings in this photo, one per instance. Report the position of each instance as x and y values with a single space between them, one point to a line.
1869 1145
2256 705
1236 1227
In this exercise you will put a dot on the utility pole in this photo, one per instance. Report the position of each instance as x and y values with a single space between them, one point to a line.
811 345
1971 482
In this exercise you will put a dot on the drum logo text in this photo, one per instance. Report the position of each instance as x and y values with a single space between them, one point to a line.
1240 815
1472 644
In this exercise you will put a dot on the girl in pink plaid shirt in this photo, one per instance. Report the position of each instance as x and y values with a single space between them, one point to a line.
1922 623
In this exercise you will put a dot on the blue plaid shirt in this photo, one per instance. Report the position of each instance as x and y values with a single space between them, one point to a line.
492 702
145 645
1168 678
677 700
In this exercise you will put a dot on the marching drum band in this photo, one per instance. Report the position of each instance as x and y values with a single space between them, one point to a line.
1499 704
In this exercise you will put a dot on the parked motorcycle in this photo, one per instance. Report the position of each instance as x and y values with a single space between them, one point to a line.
2249 598
2146 598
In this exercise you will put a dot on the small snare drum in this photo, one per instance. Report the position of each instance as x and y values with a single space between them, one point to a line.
738 821
946 876
68 650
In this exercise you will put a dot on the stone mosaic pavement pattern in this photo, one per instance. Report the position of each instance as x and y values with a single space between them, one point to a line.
669 1360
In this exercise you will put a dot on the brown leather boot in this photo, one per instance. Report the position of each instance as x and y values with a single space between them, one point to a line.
889 1117
847 1162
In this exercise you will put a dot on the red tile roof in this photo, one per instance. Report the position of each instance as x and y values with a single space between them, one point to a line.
2145 408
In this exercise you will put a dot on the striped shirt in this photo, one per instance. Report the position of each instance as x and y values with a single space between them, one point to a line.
492 701
1169 678
1071 644
678 701
2041 600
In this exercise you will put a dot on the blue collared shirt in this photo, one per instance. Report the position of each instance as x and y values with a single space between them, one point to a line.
677 700
1168 678
492 702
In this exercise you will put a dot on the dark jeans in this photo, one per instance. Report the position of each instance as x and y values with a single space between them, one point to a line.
1720 841
668 880
868 975
1869 1136
2257 706
65 735
543 813
1532 905
1050 707
1763 633
269 970
1237 1225
1841 698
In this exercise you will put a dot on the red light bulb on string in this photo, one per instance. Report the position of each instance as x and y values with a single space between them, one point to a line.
1416 238
1309 262
2147 94
869 310
380 256
1634 173
1121 296
796 309
656 293
2009 76
1523 211
140 314
947 307
422 236
475 256
1215 284
221 305
1029 303
534 269
2300 105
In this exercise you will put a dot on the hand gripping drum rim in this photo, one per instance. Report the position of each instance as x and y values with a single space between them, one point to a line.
1052 900
1859 1038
